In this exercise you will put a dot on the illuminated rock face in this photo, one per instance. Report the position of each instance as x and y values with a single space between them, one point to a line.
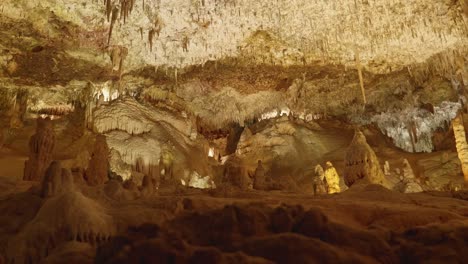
361 163
41 146
462 146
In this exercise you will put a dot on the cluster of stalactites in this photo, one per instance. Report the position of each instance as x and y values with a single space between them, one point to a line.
115 11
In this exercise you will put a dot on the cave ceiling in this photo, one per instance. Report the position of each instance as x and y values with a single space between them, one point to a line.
60 40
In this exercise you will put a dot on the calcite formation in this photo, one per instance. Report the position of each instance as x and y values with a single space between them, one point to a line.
361 163
41 147
98 168
151 172
461 144
318 180
386 35
70 216
332 178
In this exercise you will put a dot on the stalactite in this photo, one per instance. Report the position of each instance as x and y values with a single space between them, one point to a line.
361 79
108 9
462 146
115 13
132 3
150 38
123 56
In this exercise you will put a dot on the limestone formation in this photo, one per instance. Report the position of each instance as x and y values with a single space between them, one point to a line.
98 168
57 180
462 146
147 186
259 177
387 168
18 111
52 180
332 178
408 183
318 180
41 147
148 170
235 174
166 165
361 163
70 216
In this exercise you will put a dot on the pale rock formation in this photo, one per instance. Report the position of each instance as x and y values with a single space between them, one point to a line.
166 164
41 147
198 181
245 28
98 168
361 163
118 166
387 170
462 146
128 115
318 180
412 128
407 170
332 178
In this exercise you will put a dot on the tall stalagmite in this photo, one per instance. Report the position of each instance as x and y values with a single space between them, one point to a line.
98 169
361 163
462 146
41 146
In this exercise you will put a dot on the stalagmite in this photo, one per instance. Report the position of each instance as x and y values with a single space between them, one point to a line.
259 182
52 180
332 178
361 163
98 169
41 146
57 180
318 180
462 146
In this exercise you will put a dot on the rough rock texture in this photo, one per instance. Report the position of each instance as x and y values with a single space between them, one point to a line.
67 217
408 182
318 180
412 129
41 147
361 163
98 168
181 33
152 171
461 144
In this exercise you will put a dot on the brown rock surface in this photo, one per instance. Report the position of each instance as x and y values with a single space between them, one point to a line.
98 168
41 147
